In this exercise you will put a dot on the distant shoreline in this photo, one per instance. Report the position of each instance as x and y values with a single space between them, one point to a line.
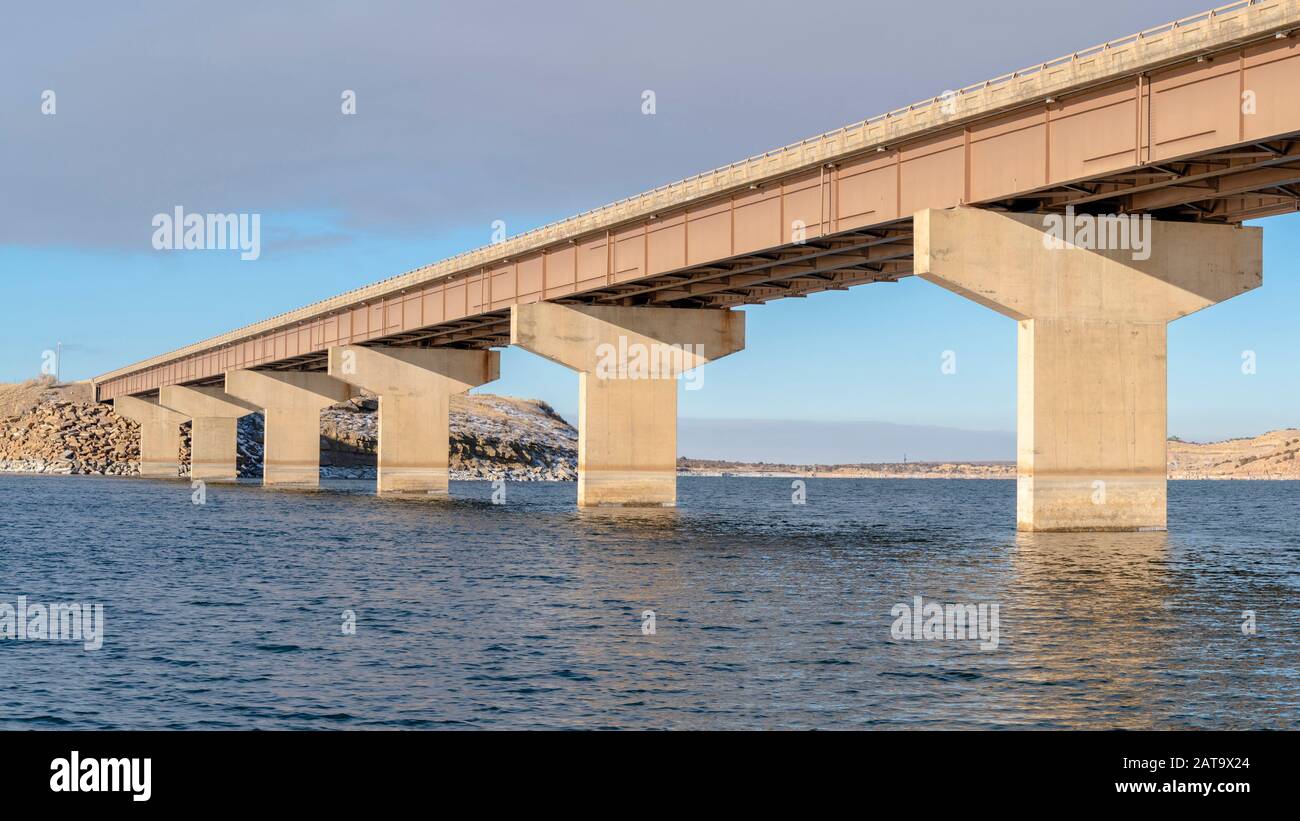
884 470
1269 456
1011 475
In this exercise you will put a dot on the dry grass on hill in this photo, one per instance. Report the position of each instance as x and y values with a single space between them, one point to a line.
17 399
1270 455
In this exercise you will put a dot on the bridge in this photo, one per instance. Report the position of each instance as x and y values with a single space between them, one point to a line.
1169 138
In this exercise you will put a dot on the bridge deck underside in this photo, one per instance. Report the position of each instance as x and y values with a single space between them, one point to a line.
1250 181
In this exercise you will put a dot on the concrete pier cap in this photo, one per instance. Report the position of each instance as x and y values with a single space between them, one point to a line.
1092 308
292 402
414 386
628 359
160 435
214 432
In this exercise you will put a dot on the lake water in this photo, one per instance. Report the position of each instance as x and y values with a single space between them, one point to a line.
529 614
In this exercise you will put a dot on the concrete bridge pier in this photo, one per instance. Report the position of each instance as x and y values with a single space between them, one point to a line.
414 386
628 359
214 428
292 402
160 435
1091 381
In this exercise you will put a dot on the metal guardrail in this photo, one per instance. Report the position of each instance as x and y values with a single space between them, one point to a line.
1214 28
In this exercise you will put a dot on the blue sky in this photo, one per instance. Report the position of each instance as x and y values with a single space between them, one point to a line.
242 115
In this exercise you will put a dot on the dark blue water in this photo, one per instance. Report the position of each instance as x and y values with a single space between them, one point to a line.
528 614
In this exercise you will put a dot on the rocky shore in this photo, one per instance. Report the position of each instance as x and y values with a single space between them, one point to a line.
492 437
68 437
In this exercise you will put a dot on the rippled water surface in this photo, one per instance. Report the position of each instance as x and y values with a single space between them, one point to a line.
529 614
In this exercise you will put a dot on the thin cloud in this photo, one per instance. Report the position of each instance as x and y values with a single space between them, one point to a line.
463 115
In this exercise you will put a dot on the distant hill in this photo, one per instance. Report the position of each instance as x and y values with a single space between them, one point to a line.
18 398
1269 456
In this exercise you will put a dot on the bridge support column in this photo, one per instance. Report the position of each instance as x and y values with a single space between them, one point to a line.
214 429
292 402
414 386
628 360
1091 409
160 435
